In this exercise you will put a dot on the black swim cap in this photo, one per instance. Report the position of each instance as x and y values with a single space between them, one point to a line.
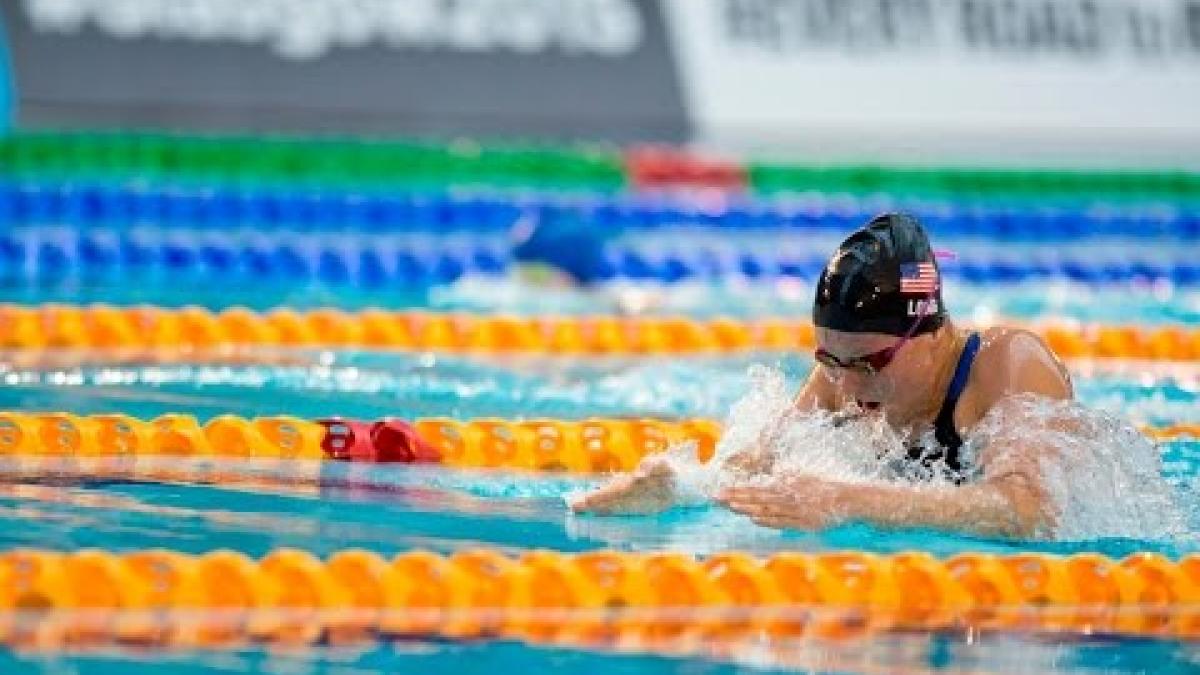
879 280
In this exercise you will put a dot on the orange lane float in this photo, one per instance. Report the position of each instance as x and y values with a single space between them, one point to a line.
591 445
603 598
56 326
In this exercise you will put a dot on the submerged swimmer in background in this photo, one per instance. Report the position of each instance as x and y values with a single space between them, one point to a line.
888 353
561 263
563 253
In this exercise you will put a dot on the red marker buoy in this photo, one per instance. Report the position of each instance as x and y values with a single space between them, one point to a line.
397 441
389 440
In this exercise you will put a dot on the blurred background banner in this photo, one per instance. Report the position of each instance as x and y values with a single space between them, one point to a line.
1060 82
570 68
6 85
1039 80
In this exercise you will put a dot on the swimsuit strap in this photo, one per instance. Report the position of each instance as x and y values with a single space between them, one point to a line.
943 427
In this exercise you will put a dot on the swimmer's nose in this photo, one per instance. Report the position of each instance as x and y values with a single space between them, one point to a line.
855 382
862 387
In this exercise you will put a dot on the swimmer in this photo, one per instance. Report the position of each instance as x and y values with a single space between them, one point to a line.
887 350
561 262
560 253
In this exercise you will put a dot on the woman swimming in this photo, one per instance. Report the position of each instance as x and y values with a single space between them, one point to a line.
887 350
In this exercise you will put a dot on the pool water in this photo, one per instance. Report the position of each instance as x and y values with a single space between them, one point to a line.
389 509
909 653
1140 302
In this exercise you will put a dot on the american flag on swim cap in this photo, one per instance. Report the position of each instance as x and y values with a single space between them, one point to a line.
918 278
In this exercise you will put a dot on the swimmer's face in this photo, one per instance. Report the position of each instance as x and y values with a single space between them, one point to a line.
892 388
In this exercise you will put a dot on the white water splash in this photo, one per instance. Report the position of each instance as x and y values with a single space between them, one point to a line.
849 446
1104 479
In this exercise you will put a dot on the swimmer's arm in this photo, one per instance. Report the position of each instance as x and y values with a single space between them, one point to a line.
1009 501
1008 507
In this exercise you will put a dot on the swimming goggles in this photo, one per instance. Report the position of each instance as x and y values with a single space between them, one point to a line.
873 363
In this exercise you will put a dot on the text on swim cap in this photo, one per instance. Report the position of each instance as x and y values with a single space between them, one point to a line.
927 307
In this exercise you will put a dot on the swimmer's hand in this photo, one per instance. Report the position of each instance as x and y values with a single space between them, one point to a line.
649 489
754 461
798 503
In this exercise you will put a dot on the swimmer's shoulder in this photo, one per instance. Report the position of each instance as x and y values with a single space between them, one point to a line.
1014 361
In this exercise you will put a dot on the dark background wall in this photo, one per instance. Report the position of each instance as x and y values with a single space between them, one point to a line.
1054 82
79 70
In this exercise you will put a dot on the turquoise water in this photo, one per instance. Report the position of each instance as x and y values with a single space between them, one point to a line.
909 653
389 509
530 509
1132 302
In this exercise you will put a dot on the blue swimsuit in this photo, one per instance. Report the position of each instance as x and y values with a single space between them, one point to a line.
947 436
